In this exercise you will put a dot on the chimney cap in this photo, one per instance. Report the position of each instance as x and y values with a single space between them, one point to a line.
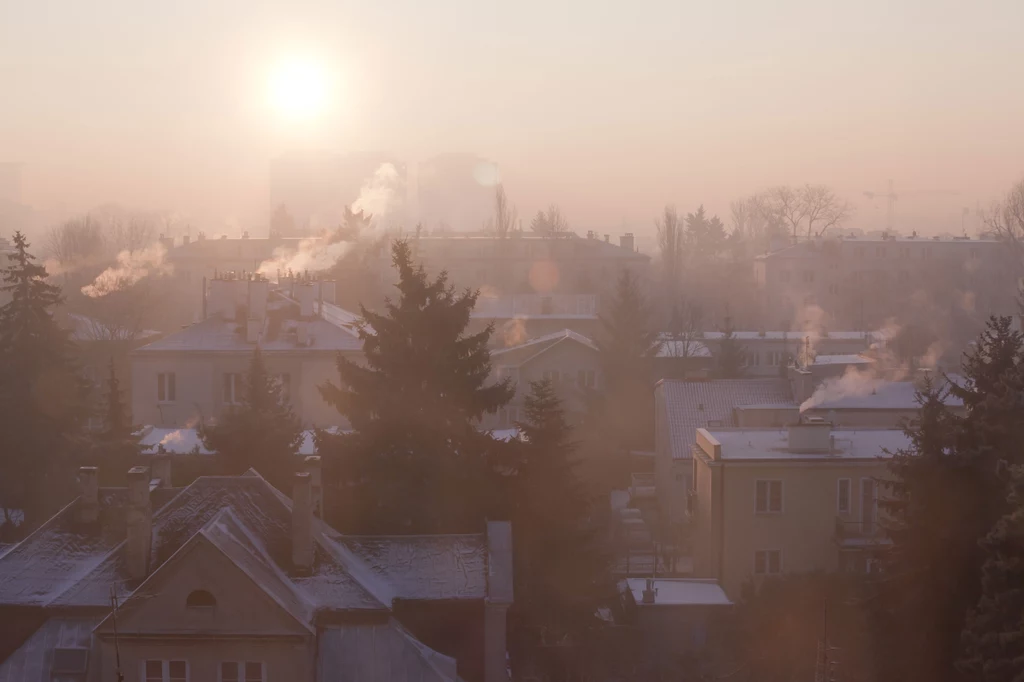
138 473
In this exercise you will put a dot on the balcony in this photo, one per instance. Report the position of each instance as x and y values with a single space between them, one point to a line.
859 534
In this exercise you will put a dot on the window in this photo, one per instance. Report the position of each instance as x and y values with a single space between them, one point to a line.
860 252
843 496
784 276
166 390
880 251
769 497
753 359
833 289
200 599
927 253
232 388
808 276
567 378
242 671
550 375
904 252
69 661
586 379
768 562
166 671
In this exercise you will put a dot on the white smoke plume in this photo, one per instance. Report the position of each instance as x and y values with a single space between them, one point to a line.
812 319
853 383
383 194
313 255
130 268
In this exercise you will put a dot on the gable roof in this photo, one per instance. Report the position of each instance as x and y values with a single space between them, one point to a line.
217 335
518 355
63 564
690 405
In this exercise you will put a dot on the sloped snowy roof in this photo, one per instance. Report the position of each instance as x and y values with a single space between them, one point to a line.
893 395
216 335
842 359
773 444
515 356
186 441
690 405
680 592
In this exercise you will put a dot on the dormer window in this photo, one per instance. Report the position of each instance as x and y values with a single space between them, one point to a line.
200 599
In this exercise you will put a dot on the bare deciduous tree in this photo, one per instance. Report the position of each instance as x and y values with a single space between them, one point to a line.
670 245
786 203
822 207
1005 221
76 243
685 331
505 215
550 221
129 234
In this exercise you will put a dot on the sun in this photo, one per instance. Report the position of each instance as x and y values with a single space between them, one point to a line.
299 88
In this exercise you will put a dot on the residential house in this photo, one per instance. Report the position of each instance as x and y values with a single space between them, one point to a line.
198 372
517 318
229 580
567 359
771 501
682 407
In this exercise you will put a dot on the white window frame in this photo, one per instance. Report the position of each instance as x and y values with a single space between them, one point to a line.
240 667
849 496
166 665
236 388
170 388
767 562
768 496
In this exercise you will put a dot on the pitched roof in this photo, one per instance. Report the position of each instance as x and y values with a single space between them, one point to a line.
690 405
515 356
64 564
217 335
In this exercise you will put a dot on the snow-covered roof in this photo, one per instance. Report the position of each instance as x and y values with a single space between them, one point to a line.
892 395
690 405
85 329
773 444
520 354
679 592
65 565
217 335
820 337
842 359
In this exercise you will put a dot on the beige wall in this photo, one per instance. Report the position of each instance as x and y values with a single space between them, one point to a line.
199 383
567 358
245 625
727 530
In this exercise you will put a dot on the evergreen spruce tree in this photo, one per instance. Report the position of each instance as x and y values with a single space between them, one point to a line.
42 397
118 443
415 461
261 432
732 357
561 573
993 639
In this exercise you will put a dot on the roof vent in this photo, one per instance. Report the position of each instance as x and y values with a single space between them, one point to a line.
649 592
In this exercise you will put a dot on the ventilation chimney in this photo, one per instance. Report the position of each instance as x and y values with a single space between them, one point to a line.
313 468
89 494
258 293
302 522
626 241
160 469
140 523
306 298
810 435
649 592
185 240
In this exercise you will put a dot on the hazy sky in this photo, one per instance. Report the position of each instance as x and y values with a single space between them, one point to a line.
611 109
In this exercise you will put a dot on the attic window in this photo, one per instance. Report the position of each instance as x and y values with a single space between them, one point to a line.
69 661
200 599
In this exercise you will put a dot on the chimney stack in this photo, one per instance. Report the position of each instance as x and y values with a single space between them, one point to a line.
259 292
313 468
161 469
140 523
89 494
302 522
306 298
626 241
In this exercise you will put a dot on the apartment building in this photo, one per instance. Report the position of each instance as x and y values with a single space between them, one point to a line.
229 580
802 498
570 361
530 263
859 282
198 372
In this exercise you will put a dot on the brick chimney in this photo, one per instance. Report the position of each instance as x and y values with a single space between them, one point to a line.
313 468
307 296
89 494
499 598
140 523
161 469
302 522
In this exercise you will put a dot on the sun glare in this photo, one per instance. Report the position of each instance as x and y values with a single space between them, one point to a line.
299 88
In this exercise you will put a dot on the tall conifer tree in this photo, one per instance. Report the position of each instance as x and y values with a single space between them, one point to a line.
416 461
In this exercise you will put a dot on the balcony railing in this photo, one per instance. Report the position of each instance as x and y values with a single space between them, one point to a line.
859 533
641 485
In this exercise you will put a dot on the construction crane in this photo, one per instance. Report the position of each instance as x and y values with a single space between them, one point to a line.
891 198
